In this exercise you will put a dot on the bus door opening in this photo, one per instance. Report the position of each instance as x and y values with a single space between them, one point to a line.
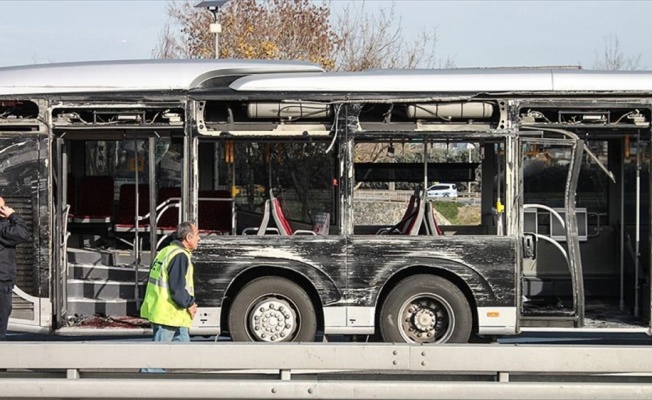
551 276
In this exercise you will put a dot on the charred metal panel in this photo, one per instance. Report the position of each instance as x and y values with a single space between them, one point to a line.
218 261
485 263
24 185
414 172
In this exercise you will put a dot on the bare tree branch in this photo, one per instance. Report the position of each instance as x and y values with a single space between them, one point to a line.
376 40
613 58
167 47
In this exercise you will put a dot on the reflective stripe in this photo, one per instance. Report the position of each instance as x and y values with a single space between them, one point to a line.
162 277
158 282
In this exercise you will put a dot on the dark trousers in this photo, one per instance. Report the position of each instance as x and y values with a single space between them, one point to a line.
5 307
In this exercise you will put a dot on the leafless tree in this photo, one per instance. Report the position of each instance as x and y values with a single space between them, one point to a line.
376 40
613 58
167 46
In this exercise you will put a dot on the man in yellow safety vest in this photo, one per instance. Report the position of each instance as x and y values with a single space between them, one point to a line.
169 302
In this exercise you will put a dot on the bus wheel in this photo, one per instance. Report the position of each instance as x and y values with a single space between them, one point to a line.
272 309
426 309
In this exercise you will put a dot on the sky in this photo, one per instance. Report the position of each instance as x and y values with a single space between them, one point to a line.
472 33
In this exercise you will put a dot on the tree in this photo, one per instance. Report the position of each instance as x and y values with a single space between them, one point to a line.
613 58
167 46
297 30
374 40
272 29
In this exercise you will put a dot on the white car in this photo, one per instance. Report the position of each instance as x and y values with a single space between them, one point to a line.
443 190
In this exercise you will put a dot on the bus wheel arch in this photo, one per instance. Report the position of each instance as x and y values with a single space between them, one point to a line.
426 296
262 301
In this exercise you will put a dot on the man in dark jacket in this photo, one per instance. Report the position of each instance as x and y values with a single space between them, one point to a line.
13 231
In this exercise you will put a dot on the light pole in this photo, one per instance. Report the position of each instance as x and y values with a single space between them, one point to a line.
214 7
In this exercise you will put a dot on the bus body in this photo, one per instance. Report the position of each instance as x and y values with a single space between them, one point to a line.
310 191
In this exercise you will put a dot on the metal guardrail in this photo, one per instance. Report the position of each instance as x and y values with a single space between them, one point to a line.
324 371
383 195
404 195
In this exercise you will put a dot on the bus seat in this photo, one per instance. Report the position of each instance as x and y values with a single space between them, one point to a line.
408 217
410 212
432 227
281 222
125 221
262 229
215 212
94 200
416 221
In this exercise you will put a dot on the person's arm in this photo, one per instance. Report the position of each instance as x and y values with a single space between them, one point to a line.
177 281
15 232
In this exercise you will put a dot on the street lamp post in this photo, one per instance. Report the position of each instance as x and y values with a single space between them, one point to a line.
214 7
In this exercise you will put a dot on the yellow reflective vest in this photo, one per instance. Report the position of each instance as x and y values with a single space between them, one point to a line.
158 306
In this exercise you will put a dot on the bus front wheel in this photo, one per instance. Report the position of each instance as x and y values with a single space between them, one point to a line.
272 309
426 309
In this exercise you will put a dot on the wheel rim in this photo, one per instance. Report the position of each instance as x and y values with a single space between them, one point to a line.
272 318
426 318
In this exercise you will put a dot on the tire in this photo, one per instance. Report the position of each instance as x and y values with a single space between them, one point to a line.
426 309
272 309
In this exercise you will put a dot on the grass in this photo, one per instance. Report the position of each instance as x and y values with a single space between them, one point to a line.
458 214
449 209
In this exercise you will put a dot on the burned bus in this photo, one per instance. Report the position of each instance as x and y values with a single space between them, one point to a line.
310 190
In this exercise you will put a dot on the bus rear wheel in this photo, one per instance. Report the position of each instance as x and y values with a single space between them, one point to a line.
272 309
426 309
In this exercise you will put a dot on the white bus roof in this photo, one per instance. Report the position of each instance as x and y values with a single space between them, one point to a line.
133 75
451 80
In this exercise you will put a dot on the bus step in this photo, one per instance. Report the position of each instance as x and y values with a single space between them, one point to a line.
88 306
105 272
105 289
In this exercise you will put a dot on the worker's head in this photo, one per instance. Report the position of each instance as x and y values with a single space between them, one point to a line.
188 235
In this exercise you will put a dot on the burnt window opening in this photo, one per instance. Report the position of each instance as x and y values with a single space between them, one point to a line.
18 110
119 117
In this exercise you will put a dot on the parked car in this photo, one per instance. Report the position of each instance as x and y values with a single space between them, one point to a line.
443 190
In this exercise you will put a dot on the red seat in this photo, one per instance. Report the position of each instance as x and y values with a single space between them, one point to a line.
416 219
215 212
432 225
283 225
408 216
95 200
125 221
407 223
